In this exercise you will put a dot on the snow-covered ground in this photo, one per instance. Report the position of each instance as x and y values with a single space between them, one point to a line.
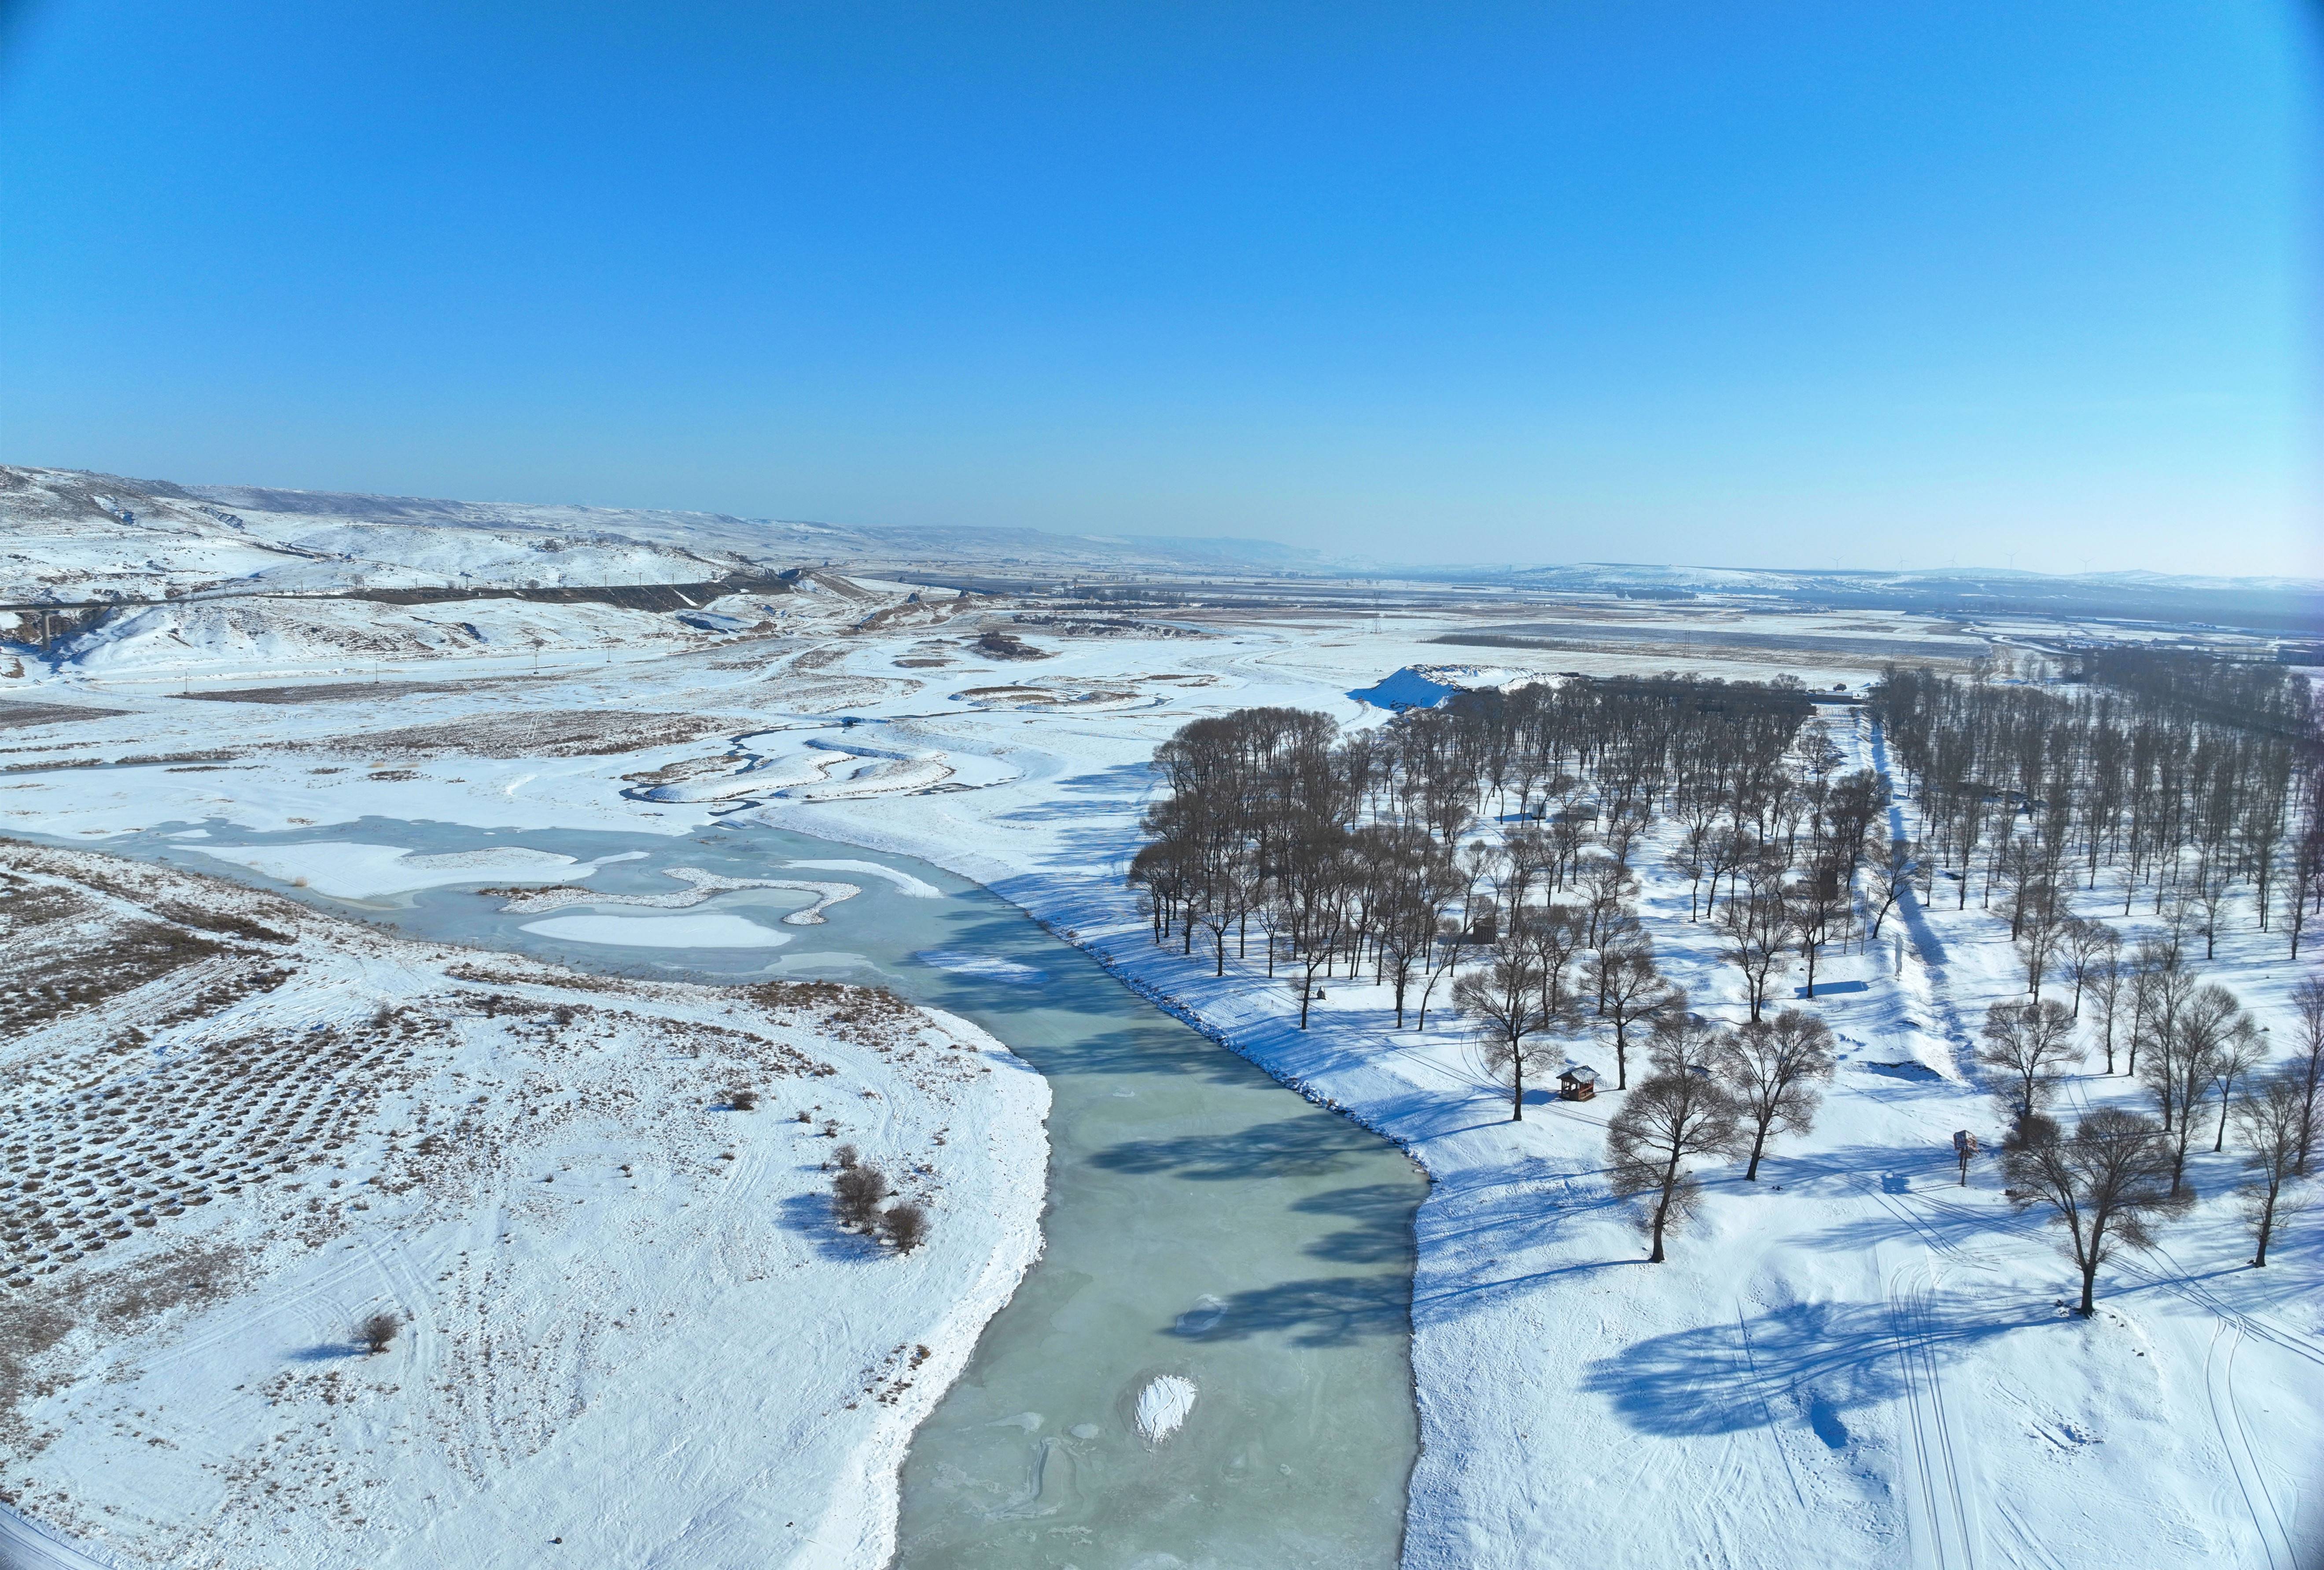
219 1165
1851 1362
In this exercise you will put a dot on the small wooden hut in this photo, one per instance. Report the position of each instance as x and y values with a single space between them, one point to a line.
1578 1083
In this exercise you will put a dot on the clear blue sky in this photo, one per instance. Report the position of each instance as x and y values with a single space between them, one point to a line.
1769 283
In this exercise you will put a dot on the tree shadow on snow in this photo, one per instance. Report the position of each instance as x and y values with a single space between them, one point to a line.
329 1351
1692 1384
809 1215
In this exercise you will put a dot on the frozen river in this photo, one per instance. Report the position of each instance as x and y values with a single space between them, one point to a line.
1211 1364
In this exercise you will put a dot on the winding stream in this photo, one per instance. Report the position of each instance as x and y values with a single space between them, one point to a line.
1206 1231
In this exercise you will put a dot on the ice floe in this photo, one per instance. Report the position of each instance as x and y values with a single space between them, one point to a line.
707 930
345 869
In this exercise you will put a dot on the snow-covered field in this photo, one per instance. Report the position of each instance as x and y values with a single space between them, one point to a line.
230 1153
1852 1361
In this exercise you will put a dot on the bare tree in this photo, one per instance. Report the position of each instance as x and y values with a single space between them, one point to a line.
1683 1042
2109 992
1817 903
2033 1041
2307 1068
1666 1122
1758 926
1553 938
377 1331
905 1225
2207 899
2182 1064
1687 858
1773 1066
2240 1055
2107 1184
1507 996
2160 985
855 1196
1636 995
1314 883
2268 1124
2039 932
2093 953
1892 879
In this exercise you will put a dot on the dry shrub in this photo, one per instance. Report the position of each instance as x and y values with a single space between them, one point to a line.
855 1196
377 1332
905 1225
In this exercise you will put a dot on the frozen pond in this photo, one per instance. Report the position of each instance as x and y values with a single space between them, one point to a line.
1211 1365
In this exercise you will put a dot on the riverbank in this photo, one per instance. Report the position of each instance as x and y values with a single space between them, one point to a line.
276 1123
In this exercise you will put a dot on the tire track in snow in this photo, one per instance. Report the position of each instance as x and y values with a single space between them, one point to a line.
1751 1370
2186 1285
1945 1504
2235 1439
2178 1280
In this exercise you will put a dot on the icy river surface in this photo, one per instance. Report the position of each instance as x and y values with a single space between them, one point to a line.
1211 1364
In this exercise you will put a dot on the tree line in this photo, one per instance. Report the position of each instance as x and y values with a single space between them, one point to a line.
2181 779
1317 853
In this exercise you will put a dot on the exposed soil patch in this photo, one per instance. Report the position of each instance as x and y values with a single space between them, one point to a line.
548 733
18 716
350 692
998 645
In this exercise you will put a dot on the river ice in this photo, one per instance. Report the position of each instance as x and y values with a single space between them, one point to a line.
344 870
705 930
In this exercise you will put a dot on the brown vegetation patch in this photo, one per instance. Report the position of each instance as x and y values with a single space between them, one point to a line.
352 691
545 733
1000 645
18 716
868 1015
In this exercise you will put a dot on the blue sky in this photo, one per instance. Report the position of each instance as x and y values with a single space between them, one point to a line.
1774 284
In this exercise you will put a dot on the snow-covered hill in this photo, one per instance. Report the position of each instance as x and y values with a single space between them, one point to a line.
67 535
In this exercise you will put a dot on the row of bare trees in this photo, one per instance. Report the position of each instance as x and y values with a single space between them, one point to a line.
1327 851
2191 780
2117 1174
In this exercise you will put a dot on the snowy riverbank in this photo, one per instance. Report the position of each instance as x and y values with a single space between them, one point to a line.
603 1267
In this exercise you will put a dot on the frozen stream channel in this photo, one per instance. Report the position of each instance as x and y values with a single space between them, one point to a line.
1211 1364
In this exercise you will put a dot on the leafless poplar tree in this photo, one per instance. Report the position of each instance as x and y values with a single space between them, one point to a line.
2307 1069
1774 1067
2031 1043
1506 998
2269 1118
1668 1121
2107 1184
1635 995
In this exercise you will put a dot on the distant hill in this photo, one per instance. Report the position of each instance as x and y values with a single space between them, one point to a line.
2266 604
68 533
